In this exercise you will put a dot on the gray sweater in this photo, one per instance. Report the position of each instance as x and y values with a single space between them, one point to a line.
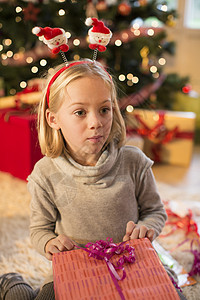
88 203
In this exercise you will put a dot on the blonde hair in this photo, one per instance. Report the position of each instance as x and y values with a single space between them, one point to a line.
51 141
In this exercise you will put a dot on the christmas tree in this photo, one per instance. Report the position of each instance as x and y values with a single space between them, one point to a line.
135 55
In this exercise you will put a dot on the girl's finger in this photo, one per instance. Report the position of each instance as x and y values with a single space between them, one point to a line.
143 231
66 243
126 238
135 233
129 227
150 234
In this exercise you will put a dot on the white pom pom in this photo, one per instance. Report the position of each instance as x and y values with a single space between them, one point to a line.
88 21
36 30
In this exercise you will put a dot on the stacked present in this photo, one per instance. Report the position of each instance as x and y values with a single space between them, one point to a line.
28 96
168 135
187 102
20 148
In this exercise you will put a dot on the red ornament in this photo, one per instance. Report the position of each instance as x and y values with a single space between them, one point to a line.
124 9
31 12
186 89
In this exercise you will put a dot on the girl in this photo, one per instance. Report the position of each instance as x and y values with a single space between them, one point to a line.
88 186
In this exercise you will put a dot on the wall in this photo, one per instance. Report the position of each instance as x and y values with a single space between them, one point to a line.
187 58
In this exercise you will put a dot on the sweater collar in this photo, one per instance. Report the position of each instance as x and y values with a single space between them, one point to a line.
88 174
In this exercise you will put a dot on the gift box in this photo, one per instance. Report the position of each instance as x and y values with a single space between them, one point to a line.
185 102
79 276
19 149
168 135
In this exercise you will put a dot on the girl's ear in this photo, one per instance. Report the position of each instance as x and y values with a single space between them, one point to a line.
52 120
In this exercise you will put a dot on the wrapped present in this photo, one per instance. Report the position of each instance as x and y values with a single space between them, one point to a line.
19 149
185 102
7 102
79 275
168 135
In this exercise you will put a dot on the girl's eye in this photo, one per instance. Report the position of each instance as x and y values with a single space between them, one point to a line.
80 113
104 110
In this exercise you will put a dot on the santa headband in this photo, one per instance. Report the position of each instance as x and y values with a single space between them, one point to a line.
56 40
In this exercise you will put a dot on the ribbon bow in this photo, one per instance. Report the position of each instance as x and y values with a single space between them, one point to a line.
105 250
159 134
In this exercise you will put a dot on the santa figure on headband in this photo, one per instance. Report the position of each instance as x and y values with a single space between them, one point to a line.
54 38
99 34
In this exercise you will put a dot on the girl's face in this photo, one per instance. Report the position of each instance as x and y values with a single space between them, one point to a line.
85 118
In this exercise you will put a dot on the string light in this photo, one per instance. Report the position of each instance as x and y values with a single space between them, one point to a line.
150 32
23 84
16 56
124 36
136 32
43 62
129 76
29 60
61 12
1 47
18 9
4 62
1 25
7 42
162 61
9 53
129 82
129 108
153 69
122 77
118 43
12 91
34 69
76 42
156 75
135 79
162 7
18 19
76 57
3 56
154 23
68 34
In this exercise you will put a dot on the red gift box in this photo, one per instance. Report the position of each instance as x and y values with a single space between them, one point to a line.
78 276
19 149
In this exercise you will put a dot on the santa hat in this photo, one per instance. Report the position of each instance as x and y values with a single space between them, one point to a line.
48 32
98 26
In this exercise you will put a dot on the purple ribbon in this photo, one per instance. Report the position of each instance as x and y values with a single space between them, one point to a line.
105 250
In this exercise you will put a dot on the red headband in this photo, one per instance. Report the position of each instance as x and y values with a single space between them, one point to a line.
59 72
63 69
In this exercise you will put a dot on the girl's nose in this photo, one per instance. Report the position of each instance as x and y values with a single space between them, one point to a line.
94 121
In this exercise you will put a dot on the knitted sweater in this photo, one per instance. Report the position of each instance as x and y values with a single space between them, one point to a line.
88 203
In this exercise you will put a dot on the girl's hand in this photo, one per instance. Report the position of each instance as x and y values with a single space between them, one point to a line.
58 244
135 231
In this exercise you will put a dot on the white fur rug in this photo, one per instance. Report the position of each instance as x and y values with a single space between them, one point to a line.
18 255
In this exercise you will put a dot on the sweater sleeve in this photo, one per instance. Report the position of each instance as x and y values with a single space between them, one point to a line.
43 215
151 209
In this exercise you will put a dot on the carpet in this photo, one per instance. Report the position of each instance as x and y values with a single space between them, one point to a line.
18 255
